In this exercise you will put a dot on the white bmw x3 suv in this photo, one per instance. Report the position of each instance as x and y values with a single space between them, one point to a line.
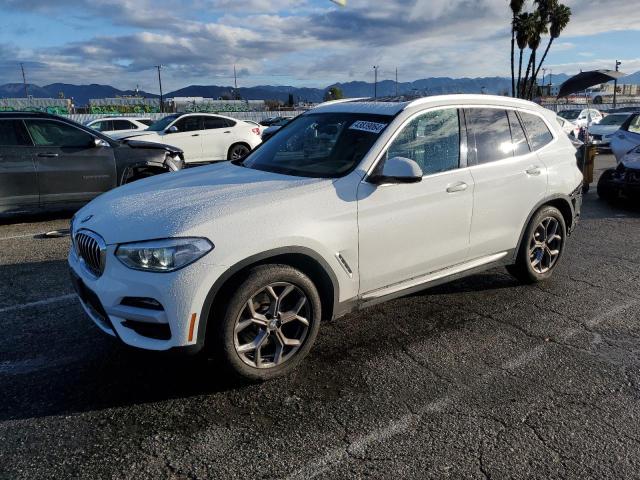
351 204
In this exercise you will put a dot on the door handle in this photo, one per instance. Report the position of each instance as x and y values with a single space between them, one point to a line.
457 187
533 171
228 131
48 155
195 135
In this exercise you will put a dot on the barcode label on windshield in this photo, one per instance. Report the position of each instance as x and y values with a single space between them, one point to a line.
371 127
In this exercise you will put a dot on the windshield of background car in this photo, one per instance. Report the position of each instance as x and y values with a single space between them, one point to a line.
569 114
612 119
162 124
321 145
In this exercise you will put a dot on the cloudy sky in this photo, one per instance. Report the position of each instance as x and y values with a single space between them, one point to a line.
290 42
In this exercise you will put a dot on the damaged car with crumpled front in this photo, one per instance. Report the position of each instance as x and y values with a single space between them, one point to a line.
622 182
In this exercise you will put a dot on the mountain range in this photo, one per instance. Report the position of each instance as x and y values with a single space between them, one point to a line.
427 86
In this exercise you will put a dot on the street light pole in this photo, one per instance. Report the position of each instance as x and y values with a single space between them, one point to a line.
159 67
615 85
375 82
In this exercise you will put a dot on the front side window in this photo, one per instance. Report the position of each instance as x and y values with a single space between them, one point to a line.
163 123
13 134
432 140
102 126
146 121
539 134
319 145
50 133
189 124
634 126
489 135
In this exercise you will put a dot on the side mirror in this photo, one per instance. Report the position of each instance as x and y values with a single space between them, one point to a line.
172 129
397 170
98 143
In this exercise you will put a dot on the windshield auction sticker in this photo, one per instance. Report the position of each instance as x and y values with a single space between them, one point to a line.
371 127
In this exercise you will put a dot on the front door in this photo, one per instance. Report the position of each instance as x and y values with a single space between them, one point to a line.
188 137
217 137
18 178
410 230
71 168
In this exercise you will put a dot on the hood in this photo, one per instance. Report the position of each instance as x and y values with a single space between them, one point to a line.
632 159
179 203
150 145
603 129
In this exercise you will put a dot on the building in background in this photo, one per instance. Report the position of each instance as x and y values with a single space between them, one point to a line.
56 106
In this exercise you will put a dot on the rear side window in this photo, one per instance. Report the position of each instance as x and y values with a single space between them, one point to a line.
489 135
519 139
539 134
13 134
50 133
103 126
432 140
211 123
123 125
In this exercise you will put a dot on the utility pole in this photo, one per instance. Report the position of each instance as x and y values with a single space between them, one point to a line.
615 84
24 81
396 81
235 83
544 73
159 67
375 82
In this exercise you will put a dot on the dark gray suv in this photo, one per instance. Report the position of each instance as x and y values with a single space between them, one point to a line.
51 163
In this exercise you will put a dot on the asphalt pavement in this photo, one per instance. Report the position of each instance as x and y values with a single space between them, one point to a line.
480 378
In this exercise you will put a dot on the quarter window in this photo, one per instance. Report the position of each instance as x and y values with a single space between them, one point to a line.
432 140
49 133
103 126
13 134
489 135
123 125
211 123
539 134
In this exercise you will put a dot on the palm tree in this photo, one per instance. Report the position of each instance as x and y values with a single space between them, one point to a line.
516 9
523 29
559 17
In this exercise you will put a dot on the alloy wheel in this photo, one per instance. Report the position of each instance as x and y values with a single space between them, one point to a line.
272 326
239 152
545 245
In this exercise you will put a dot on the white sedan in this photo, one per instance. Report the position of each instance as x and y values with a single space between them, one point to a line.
120 126
203 137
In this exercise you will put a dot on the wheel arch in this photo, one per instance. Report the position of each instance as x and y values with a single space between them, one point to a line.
240 142
562 202
153 166
304 259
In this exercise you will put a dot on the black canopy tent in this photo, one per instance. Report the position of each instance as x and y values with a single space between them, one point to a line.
579 83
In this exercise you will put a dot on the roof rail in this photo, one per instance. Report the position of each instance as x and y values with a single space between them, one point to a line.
342 100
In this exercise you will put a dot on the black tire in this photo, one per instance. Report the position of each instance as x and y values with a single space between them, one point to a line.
585 188
524 269
605 192
223 343
238 151
139 176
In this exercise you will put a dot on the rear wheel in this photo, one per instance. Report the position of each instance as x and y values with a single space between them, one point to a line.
542 246
238 152
269 323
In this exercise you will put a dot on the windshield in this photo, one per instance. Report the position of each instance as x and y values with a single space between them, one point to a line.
570 114
320 145
615 120
162 124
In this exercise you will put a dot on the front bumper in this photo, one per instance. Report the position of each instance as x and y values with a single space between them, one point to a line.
112 301
576 207
622 187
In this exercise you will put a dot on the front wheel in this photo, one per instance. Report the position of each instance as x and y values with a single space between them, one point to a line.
605 192
542 246
268 325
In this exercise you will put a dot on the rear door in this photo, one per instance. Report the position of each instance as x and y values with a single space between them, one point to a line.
18 178
628 137
217 137
509 179
188 137
71 169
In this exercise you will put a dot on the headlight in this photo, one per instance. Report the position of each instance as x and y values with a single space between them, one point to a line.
163 255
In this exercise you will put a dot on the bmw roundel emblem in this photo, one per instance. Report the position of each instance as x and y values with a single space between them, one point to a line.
86 219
